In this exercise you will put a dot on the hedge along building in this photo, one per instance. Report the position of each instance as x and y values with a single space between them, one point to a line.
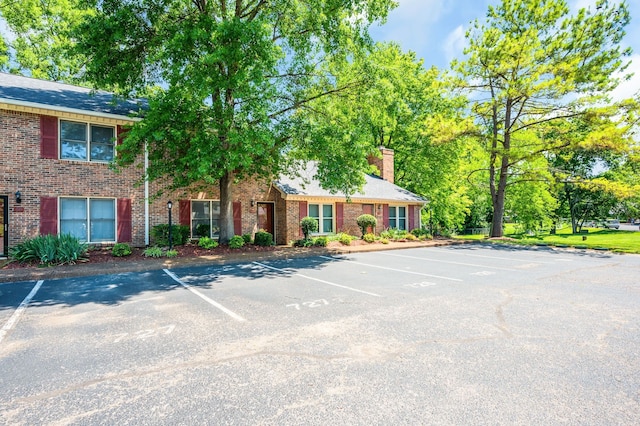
58 141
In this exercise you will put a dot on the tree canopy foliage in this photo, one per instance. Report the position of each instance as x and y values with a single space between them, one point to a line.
230 76
530 64
38 41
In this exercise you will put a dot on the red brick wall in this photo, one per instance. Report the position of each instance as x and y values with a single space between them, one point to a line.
255 189
385 164
21 168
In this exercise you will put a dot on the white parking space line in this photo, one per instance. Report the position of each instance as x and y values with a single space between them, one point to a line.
205 298
391 269
16 315
448 261
510 258
316 279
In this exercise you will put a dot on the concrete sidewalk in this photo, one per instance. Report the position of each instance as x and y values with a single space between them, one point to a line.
122 265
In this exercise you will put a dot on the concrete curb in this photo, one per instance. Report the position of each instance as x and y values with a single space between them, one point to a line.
284 252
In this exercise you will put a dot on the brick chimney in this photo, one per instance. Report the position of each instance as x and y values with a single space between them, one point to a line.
384 164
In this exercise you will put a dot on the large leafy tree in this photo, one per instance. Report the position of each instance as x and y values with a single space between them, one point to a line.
599 170
37 39
405 107
230 75
532 63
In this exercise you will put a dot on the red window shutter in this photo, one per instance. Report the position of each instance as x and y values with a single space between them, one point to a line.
339 216
124 220
303 213
412 219
48 136
237 218
385 215
48 215
185 212
120 132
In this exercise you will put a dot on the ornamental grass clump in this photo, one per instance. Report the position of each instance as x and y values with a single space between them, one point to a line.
50 250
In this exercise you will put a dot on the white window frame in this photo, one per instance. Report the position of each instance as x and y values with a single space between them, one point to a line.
87 141
191 219
396 217
87 200
321 217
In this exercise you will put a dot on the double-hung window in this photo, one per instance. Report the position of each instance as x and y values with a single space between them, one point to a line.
398 217
86 142
89 219
205 219
323 213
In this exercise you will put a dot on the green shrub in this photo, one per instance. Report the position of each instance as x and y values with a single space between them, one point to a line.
154 251
386 234
410 237
50 250
171 253
45 249
419 232
263 239
319 241
121 249
203 230
308 225
236 242
394 234
246 238
69 249
345 239
179 234
369 237
366 221
207 243
302 243
384 241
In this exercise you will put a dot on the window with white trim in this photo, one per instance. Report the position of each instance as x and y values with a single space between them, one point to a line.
86 142
91 220
205 218
398 217
323 213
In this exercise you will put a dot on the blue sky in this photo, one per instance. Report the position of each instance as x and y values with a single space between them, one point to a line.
435 30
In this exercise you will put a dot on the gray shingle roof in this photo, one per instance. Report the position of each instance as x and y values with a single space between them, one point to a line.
52 94
375 188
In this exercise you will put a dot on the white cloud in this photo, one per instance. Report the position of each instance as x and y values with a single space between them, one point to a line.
455 43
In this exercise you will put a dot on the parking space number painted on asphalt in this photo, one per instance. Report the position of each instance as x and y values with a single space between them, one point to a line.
146 333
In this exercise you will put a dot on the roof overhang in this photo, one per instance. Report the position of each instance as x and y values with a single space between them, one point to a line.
64 112
343 199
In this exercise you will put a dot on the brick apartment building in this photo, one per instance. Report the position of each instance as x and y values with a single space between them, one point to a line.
57 144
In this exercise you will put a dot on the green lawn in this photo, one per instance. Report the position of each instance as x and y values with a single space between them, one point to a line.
596 238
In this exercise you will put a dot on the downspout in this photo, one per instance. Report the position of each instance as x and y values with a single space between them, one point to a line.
146 196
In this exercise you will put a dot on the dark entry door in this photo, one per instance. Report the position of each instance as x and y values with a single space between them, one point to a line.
265 217
4 235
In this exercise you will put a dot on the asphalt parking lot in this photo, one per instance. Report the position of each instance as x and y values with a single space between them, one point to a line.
467 334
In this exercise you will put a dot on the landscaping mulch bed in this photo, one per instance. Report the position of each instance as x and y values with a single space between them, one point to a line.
103 255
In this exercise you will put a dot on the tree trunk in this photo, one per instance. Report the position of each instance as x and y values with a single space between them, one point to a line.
572 209
226 208
498 202
498 194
